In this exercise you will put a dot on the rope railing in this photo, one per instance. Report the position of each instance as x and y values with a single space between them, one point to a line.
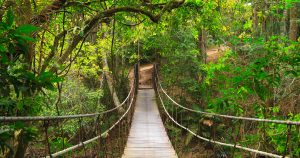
59 153
287 122
62 117
157 85
80 137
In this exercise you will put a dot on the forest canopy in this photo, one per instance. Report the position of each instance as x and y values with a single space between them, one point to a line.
235 57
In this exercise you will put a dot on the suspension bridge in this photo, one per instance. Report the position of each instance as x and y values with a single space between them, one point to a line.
140 131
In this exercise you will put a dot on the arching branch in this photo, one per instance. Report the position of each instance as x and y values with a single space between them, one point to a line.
45 14
132 24
105 15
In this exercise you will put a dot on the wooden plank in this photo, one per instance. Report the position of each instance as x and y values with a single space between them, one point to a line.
147 137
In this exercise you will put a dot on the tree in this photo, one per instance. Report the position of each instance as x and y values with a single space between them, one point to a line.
294 11
43 68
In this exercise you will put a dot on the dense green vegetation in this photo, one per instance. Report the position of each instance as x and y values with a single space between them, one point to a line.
63 57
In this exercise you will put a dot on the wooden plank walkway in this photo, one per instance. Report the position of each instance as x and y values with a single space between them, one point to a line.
147 137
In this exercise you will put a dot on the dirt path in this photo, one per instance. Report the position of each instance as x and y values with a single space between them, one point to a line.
145 80
213 54
146 76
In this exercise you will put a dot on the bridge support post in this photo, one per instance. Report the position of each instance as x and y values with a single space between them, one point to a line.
46 125
136 75
154 77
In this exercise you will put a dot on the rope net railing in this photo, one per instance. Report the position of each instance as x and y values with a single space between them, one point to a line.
62 117
171 116
96 136
81 144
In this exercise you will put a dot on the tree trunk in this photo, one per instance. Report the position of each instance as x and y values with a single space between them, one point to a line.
23 14
21 143
293 22
202 47
255 20
284 21
110 82
202 44
265 31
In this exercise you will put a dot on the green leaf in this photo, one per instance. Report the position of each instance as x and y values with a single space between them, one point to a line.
26 29
57 79
29 75
3 58
49 86
25 38
45 75
81 33
2 48
10 17
3 27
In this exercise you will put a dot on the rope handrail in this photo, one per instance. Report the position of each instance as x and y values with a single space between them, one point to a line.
213 141
287 122
48 118
95 138
127 103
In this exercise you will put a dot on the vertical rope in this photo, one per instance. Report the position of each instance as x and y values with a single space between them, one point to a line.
46 125
119 138
109 145
227 116
288 136
62 135
99 119
122 135
125 128
105 140
172 114
176 136
298 136
81 135
236 137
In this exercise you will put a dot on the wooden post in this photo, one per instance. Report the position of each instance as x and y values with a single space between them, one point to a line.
46 125
136 75
154 75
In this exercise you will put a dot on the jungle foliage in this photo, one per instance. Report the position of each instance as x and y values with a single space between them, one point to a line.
53 53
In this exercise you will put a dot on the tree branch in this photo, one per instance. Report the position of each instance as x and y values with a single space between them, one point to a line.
105 15
53 50
47 12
